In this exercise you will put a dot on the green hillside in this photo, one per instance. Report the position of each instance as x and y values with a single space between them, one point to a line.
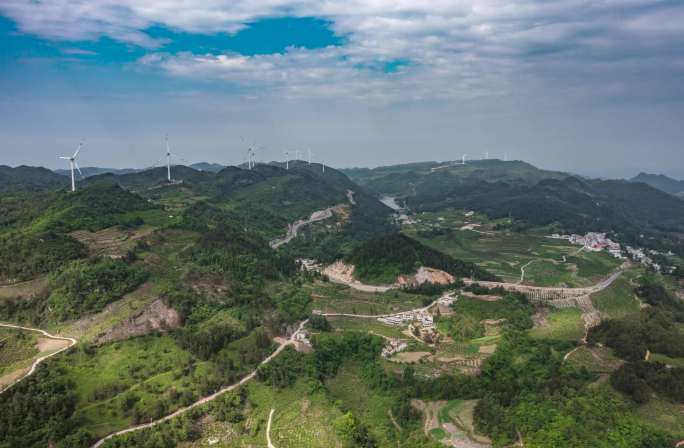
404 179
661 182
382 260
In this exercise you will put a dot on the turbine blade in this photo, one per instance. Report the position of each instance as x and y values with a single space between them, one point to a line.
78 150
65 157
79 169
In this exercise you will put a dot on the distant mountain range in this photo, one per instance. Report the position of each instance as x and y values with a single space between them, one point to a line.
94 171
661 182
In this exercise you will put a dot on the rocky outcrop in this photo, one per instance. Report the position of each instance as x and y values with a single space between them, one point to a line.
156 316
426 275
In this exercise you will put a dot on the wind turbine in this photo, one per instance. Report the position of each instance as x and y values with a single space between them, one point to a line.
309 150
250 158
487 155
73 164
168 159
287 160
463 159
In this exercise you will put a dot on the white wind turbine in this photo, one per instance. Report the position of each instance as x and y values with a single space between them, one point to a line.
250 158
168 159
463 159
73 164
287 160
169 154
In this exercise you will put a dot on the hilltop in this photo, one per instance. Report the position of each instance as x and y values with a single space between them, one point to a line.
401 179
661 182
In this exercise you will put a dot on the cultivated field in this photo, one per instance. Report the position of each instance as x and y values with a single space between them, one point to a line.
334 298
546 262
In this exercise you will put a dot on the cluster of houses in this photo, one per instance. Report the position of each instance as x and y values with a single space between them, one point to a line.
593 241
596 242
421 323
641 256
400 319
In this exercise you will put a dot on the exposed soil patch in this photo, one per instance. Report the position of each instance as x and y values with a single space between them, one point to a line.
156 316
50 345
10 378
540 317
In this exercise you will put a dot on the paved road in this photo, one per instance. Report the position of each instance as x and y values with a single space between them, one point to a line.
293 229
71 341
209 398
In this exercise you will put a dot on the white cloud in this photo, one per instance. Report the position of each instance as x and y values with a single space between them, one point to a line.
456 48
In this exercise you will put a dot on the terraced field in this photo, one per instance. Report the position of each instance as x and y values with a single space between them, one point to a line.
334 298
547 262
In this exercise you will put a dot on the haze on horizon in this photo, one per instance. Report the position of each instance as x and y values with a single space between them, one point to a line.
593 88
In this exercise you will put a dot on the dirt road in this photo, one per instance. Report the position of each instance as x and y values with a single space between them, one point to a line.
209 398
35 364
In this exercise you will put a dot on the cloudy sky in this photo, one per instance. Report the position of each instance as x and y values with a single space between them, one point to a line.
590 86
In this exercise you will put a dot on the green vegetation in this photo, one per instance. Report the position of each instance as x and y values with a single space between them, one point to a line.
527 392
563 325
618 300
198 251
17 349
87 286
466 322
382 260
334 298
631 337
501 248
641 379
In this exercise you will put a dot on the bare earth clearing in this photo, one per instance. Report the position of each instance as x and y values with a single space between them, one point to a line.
51 349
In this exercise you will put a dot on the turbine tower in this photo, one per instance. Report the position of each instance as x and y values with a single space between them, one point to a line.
73 164
168 159
463 159
250 158
287 160
309 150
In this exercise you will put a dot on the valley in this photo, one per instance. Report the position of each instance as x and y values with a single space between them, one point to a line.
300 307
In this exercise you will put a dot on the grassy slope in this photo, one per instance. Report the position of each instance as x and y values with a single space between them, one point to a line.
566 325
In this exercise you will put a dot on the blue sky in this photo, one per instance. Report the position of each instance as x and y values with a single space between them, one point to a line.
590 87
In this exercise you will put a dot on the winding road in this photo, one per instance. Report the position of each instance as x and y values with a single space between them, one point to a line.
319 215
208 398
293 229
35 364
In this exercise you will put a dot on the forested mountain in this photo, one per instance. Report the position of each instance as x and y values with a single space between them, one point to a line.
88 171
94 170
661 182
636 212
384 259
403 179
29 177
